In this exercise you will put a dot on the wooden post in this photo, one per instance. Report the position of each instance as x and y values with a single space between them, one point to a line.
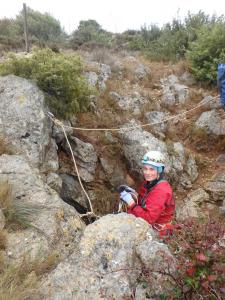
25 27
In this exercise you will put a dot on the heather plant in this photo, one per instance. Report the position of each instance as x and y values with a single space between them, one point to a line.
58 75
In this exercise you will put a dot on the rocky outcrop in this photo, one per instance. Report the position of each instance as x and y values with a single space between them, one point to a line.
86 158
216 189
213 122
23 122
53 223
156 117
209 102
71 192
132 103
191 205
112 253
100 79
141 72
174 93
180 165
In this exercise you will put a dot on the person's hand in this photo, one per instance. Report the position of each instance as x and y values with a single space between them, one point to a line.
127 198
126 188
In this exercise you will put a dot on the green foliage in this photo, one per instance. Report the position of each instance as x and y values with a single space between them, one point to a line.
207 51
58 75
89 31
9 34
44 30
200 259
171 44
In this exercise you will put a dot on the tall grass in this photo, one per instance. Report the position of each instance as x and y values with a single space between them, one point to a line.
17 215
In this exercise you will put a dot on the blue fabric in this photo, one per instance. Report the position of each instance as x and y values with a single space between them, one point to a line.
158 169
221 82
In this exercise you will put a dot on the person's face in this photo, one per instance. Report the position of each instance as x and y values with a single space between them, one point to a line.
149 173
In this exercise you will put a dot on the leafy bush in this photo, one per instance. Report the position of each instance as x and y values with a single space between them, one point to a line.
89 31
207 51
201 259
58 75
9 34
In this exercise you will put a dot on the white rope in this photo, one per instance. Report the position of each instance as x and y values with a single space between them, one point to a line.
141 125
91 212
57 122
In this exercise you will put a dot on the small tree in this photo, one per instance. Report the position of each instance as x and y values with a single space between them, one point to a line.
89 31
44 30
58 75
207 51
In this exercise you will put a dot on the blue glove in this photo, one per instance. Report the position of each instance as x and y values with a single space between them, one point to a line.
127 198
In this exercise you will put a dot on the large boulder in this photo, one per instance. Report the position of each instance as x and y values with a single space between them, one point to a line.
213 122
112 253
23 122
54 224
209 102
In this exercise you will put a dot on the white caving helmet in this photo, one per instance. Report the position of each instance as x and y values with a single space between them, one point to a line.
155 159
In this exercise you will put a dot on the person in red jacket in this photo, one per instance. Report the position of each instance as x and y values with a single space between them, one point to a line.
155 198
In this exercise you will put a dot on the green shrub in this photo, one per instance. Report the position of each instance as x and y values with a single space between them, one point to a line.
207 51
58 75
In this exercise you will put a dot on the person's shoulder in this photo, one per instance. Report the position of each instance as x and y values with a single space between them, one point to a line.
164 185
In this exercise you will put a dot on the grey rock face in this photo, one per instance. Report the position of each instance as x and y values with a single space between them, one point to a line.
157 117
113 171
55 223
173 92
86 157
210 102
212 121
216 188
54 181
112 251
105 73
71 190
187 78
23 122
132 103
92 78
191 206
141 72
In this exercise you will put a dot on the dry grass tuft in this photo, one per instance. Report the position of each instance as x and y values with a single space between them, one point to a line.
5 148
21 282
3 239
17 215
5 195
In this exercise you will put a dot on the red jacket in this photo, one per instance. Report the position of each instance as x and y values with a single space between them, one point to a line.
157 205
